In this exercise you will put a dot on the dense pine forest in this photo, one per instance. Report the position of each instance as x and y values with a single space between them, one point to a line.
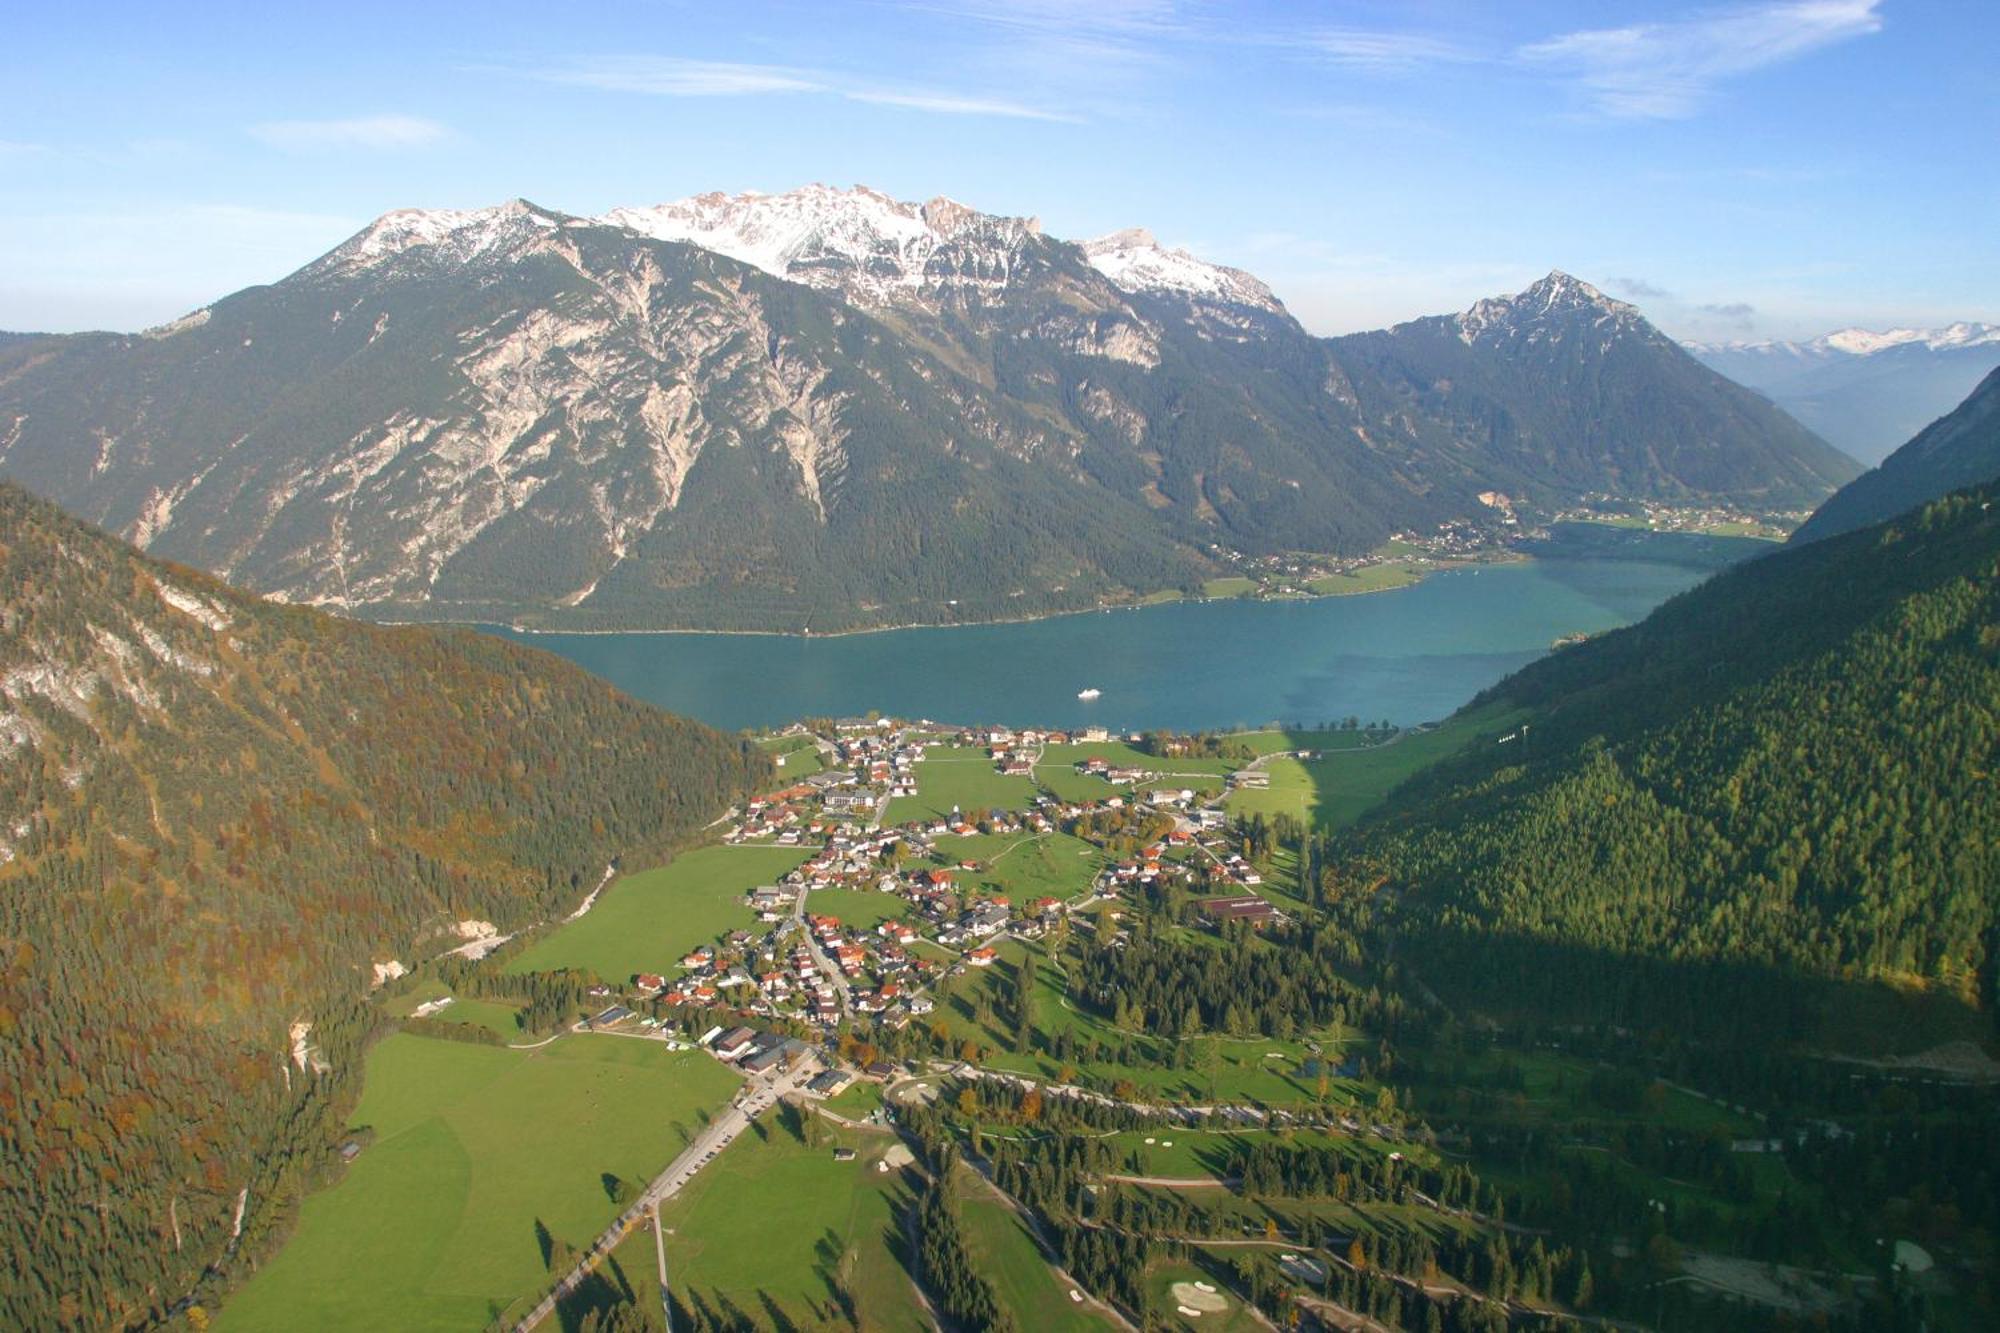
217 816
1774 796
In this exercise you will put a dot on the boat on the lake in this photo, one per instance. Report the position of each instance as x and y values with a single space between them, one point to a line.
1089 693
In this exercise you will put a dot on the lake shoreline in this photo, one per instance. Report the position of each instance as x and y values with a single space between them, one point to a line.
528 631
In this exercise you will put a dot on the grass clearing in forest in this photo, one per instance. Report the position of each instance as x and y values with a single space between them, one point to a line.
1335 789
646 921
1004 1252
435 1224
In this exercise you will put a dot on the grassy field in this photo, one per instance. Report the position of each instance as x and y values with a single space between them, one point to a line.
1063 782
860 908
962 777
795 756
1369 578
1338 788
1021 867
434 1225
857 1100
1274 739
1004 1252
645 922
839 1230
1231 585
1231 1318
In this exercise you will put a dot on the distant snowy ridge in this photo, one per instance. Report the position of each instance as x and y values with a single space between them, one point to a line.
1867 342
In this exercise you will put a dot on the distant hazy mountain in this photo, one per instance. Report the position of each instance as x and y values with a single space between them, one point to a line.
820 409
1958 450
1568 389
216 815
1866 392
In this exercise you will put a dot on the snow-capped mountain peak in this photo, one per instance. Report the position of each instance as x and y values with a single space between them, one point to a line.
1558 294
859 239
1134 261
455 234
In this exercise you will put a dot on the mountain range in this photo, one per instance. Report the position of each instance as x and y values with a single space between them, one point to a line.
829 409
1864 391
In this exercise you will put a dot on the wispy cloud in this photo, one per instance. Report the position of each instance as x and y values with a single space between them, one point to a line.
1668 71
674 76
950 105
1739 313
371 132
1385 52
1639 289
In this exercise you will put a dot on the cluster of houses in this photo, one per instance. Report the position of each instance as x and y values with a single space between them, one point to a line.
815 967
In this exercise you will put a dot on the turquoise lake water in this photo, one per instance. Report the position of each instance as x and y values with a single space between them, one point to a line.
1411 655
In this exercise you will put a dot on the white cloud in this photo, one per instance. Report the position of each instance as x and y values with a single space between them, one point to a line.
672 76
949 105
376 132
1663 71
1385 52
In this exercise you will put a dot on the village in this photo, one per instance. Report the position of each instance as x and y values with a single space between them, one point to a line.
882 910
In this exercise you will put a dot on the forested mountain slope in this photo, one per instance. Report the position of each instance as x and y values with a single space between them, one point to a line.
1786 773
216 815
828 409
1961 448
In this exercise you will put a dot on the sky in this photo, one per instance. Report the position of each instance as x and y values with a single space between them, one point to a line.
1775 168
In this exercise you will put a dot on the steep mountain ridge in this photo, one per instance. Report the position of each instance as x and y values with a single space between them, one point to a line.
1959 449
216 816
820 410
1560 385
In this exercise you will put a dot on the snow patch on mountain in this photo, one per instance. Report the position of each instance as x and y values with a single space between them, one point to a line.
1134 261
858 240
448 235
1557 295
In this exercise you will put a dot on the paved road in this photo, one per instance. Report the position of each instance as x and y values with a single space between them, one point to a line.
827 967
755 1097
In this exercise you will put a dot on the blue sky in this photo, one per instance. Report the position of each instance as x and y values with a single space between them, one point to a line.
1771 168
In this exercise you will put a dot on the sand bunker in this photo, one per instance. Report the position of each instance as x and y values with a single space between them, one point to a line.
1192 1296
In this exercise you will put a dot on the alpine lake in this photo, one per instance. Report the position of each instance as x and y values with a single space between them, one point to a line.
1409 655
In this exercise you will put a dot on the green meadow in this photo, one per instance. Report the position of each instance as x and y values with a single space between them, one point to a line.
863 909
1005 1253
961 777
1022 867
645 922
840 1238
435 1224
1336 788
